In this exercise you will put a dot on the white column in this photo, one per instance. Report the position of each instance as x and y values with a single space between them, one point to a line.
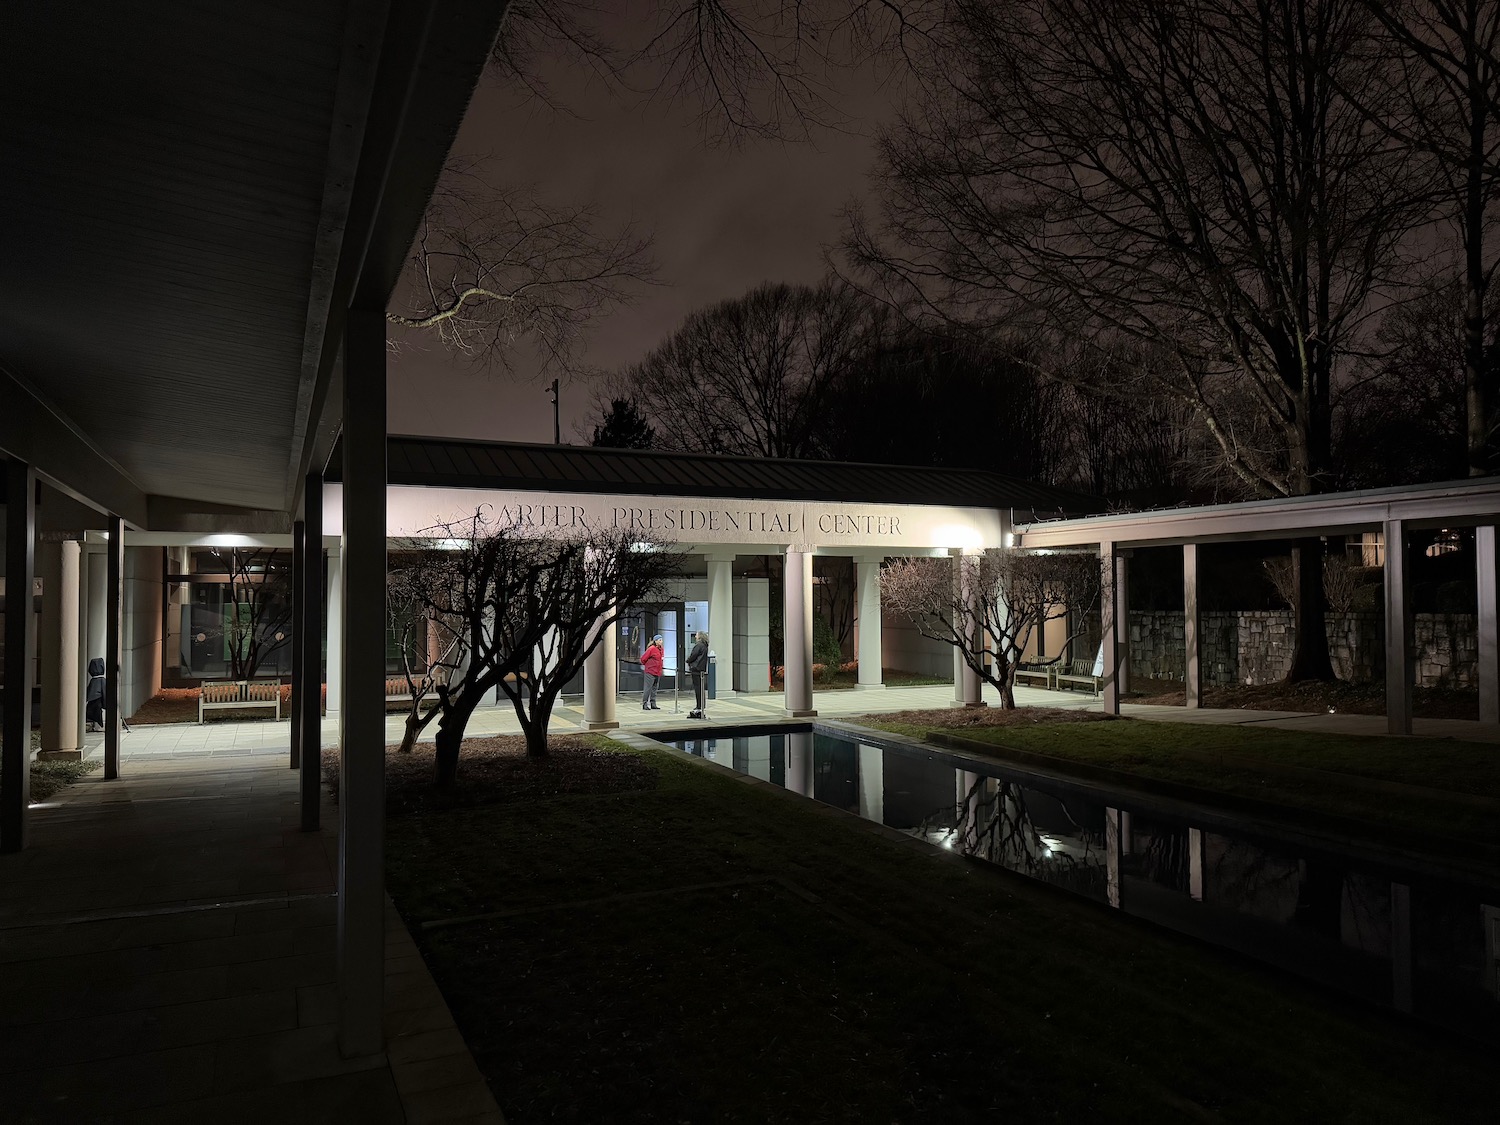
1108 633
799 760
81 664
1488 623
1192 674
797 632
867 589
361 858
1195 864
59 648
966 681
335 611
95 630
600 681
721 617
1122 620
1398 631
1112 856
872 783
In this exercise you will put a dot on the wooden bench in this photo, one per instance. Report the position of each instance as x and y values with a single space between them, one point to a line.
1040 675
224 695
1080 674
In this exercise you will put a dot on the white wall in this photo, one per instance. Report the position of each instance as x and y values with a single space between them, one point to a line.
141 663
905 649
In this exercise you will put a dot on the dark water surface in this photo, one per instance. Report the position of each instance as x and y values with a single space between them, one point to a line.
1404 933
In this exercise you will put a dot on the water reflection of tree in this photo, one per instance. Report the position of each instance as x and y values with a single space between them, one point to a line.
1165 858
992 822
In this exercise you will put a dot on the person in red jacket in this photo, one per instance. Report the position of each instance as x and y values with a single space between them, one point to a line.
651 667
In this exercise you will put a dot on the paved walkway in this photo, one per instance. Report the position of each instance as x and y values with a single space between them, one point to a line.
167 954
268 739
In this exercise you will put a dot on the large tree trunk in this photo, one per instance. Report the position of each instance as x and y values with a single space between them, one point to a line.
534 724
1310 659
450 738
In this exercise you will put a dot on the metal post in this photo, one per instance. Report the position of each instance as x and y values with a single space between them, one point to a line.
114 642
299 563
309 641
20 579
361 902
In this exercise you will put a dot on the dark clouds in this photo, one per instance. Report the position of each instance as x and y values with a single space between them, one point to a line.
724 220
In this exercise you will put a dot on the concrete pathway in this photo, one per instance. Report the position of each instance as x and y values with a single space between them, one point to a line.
266 739
167 954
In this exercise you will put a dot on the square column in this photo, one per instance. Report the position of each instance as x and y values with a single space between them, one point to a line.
867 590
601 679
721 615
1488 622
335 611
114 644
81 665
59 650
307 639
1398 631
299 561
20 573
1109 633
797 632
1192 654
361 862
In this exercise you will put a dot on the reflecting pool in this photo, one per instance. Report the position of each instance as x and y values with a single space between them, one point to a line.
1403 932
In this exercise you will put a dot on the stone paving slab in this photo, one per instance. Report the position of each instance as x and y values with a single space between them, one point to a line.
167 953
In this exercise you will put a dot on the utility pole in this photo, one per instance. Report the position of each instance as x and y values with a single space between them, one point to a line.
556 424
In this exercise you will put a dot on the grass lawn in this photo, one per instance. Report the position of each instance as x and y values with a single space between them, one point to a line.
685 947
1436 787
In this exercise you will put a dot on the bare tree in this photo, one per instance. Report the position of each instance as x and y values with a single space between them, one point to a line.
258 611
751 375
1445 56
990 605
495 266
516 610
1191 177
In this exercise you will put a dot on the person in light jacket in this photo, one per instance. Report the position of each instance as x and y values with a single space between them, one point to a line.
651 671
697 665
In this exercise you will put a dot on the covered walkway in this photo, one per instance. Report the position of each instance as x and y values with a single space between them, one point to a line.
264 742
169 954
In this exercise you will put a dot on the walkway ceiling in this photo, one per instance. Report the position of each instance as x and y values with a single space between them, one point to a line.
190 196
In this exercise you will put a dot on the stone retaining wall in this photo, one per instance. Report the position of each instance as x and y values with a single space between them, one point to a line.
1256 647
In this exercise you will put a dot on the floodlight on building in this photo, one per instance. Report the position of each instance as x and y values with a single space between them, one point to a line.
960 536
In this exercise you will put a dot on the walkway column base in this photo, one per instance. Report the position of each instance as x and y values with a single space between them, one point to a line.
791 714
602 724
869 687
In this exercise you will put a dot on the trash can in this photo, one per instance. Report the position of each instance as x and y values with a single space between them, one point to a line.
713 676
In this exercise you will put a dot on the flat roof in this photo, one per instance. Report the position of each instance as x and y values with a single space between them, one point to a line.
1456 503
451 463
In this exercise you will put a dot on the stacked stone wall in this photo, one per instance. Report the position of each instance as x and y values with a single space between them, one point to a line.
1256 647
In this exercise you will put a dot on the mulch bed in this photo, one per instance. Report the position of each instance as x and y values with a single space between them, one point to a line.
955 718
1321 698
497 770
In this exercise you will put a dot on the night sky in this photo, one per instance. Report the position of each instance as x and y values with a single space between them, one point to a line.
724 218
